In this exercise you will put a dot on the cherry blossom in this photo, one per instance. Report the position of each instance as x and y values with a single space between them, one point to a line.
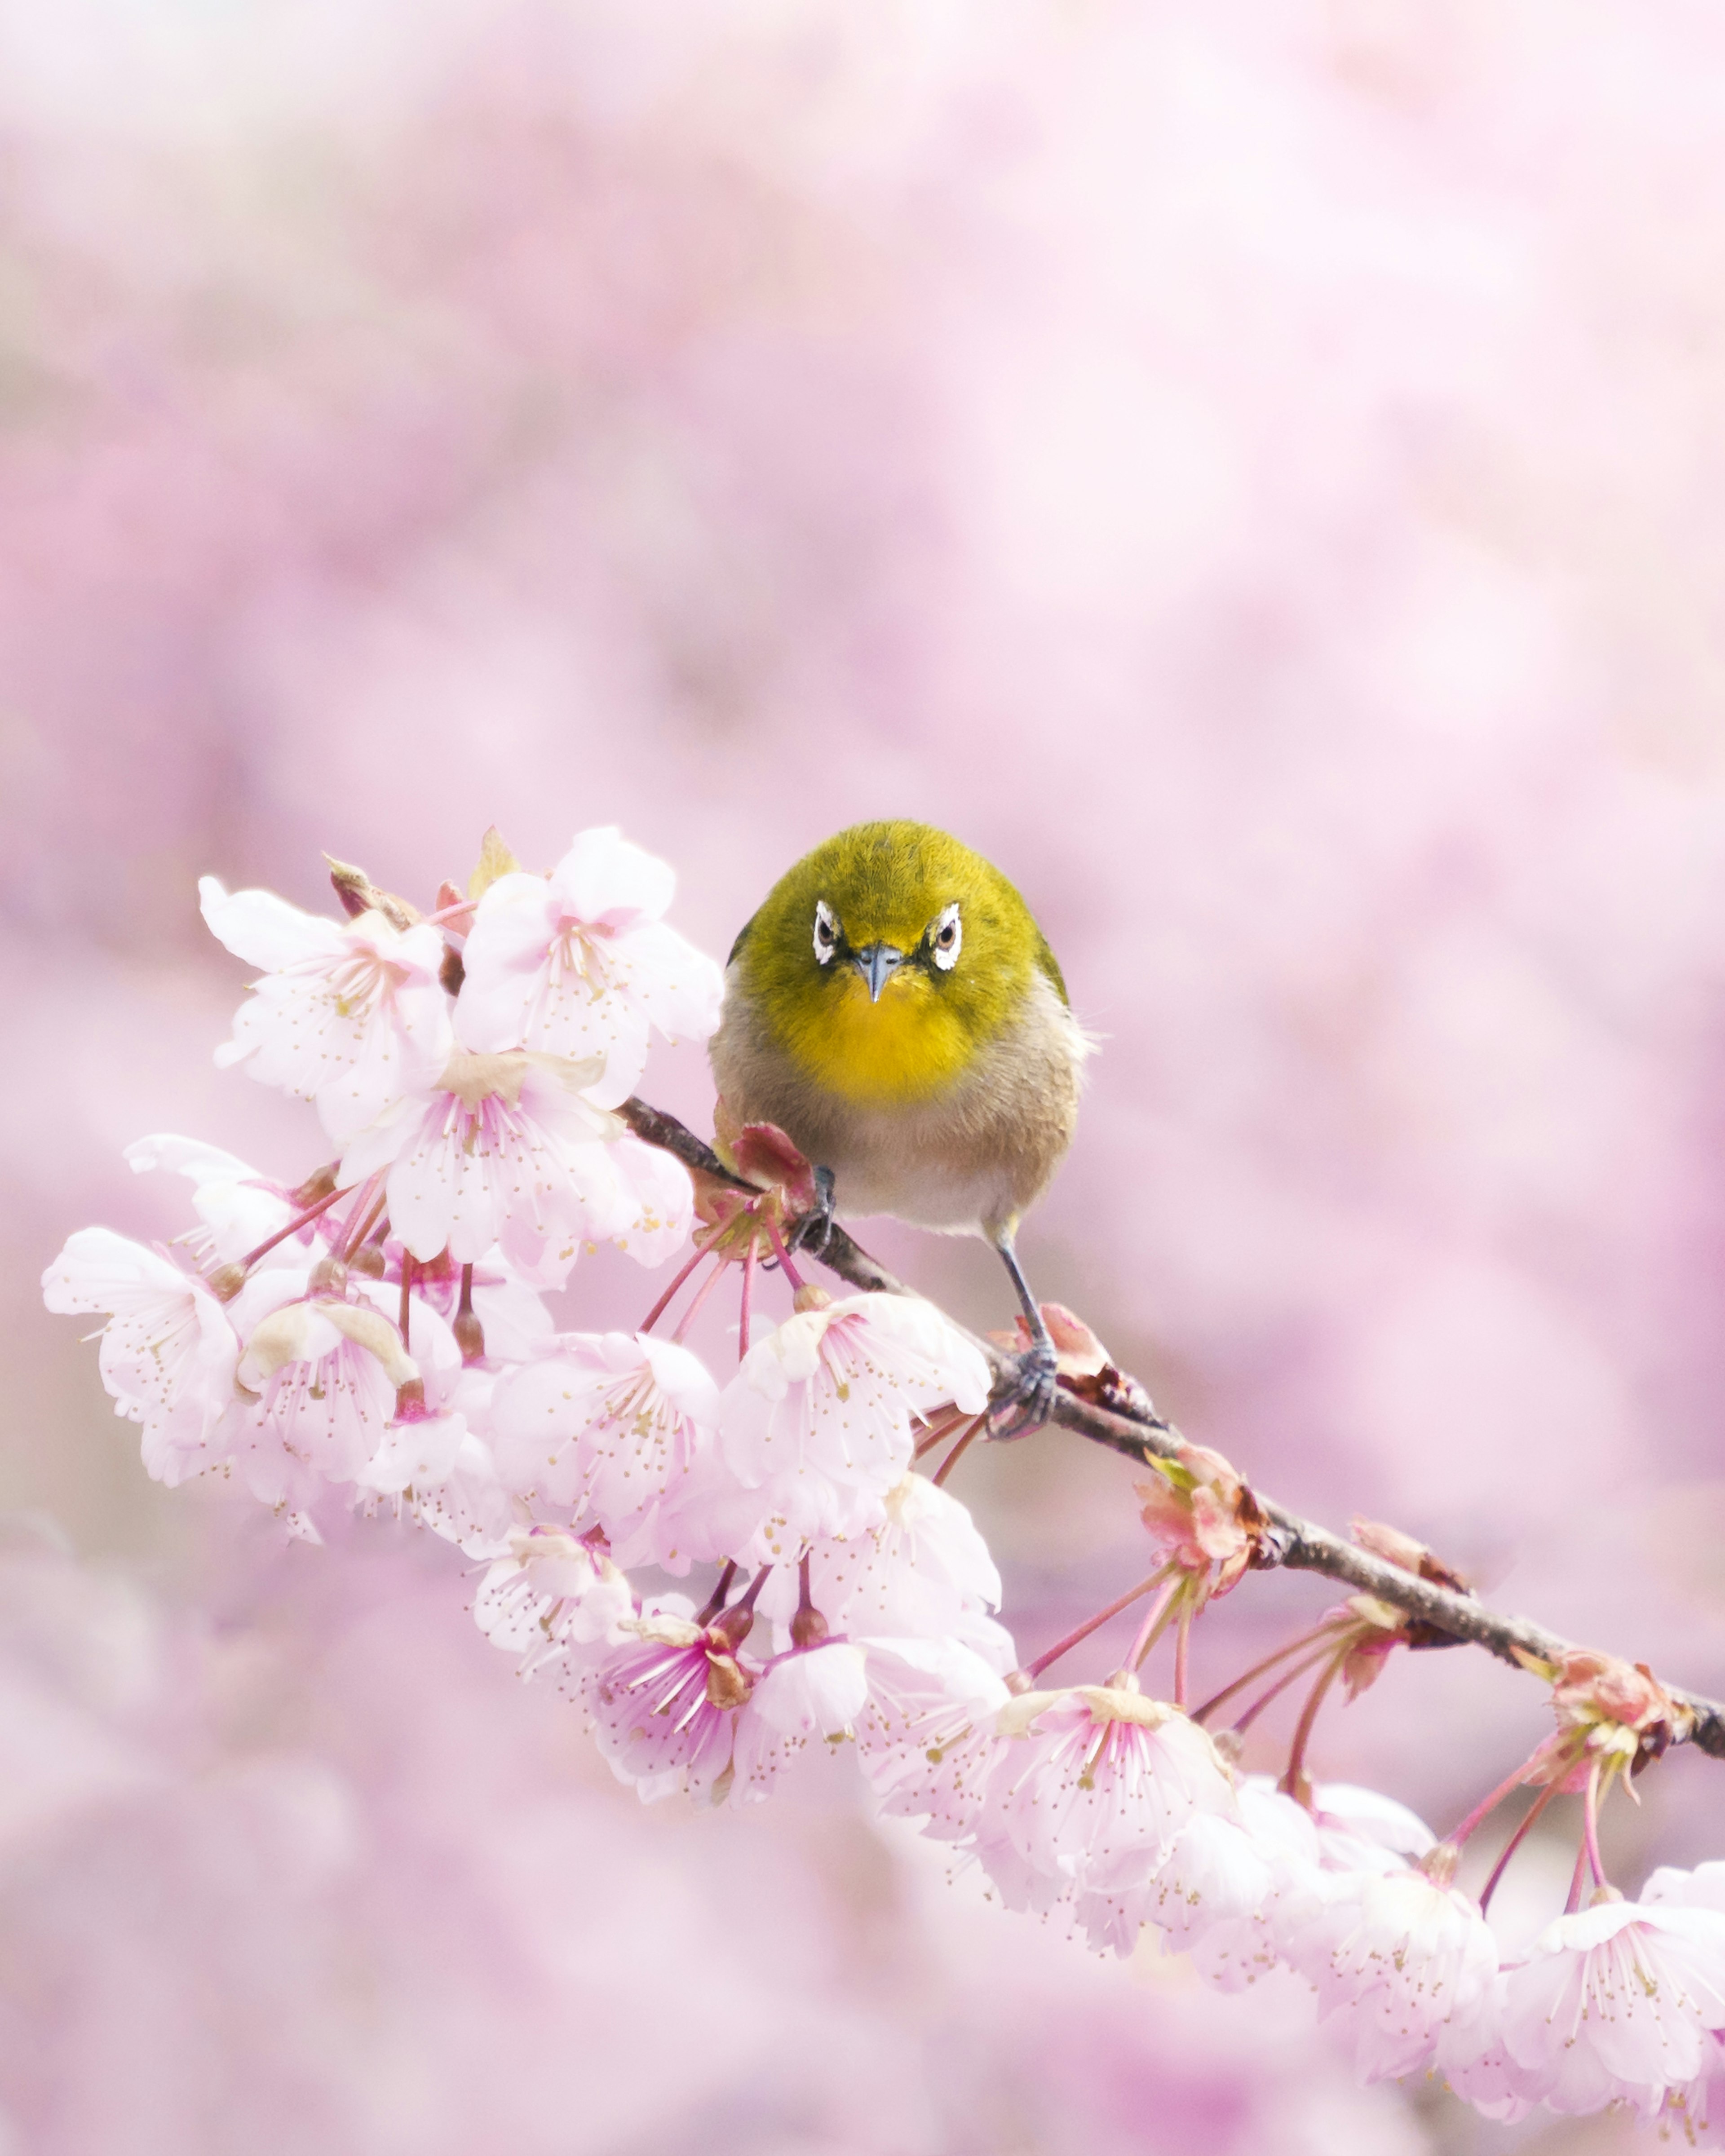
815 1692
508 1150
237 1207
1403 1953
921 1571
1471 2055
169 1350
1199 1888
554 1593
664 1710
609 1423
1617 2002
818 1419
1363 1829
349 1015
927 1737
580 963
324 1377
1099 1782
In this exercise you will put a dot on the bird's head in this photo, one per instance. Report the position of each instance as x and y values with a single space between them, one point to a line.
885 959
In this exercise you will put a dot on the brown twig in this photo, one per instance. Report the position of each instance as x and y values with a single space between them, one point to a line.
1296 1544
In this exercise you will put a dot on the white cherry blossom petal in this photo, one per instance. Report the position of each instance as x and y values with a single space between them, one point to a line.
350 1015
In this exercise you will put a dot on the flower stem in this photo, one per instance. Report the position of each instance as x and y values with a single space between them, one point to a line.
1515 1841
703 1244
716 1600
748 1284
1292 1779
1294 1646
293 1227
470 1333
371 1202
407 1292
1091 1624
1490 1804
1590 1825
957 1453
1276 1689
697 1299
781 1254
936 1431
1182 1641
1155 1623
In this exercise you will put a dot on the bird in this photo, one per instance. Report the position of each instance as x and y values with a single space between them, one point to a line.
893 1009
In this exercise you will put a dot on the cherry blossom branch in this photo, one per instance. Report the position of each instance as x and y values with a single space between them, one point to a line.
1128 1424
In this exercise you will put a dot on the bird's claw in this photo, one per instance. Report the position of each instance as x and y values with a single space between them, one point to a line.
813 1230
1025 1394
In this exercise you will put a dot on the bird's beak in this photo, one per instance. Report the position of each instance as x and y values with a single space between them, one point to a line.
877 962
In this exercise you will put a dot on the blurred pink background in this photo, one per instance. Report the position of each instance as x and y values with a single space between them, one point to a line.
1257 475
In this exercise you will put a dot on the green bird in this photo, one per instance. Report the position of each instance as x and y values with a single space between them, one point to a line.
894 1009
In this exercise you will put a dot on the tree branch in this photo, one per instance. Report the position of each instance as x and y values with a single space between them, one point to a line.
1131 1427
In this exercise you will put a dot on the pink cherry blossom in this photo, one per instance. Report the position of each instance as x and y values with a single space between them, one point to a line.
169 1350
1702 1888
1472 2058
580 963
1363 1831
552 1594
1617 2003
1099 1780
921 1569
818 1419
508 1150
350 1014
1697 2109
237 1207
1199 1888
812 1692
608 1424
664 1710
927 1737
1402 1954
324 1377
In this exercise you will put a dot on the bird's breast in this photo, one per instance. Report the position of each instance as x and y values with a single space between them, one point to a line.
908 1046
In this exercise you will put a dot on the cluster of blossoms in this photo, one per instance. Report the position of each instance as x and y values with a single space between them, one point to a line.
378 1336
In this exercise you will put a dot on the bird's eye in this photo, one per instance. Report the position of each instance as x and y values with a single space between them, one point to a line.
946 937
826 931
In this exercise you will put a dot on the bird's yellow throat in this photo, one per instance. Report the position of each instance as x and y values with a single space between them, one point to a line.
908 1046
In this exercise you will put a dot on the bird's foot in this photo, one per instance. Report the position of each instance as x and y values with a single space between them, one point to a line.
813 1230
1024 1394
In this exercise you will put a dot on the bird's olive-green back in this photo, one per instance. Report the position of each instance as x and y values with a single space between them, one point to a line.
889 883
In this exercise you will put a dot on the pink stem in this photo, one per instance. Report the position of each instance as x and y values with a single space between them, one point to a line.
1578 1879
1091 1624
1290 1782
1324 1631
936 1431
352 1238
1516 1840
1276 1690
1490 1804
957 1453
748 1283
697 1299
703 1244
293 1227
783 1255
1590 1825
1182 1641
1155 1617
407 1290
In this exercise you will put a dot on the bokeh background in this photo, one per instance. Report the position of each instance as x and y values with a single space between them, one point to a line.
1258 473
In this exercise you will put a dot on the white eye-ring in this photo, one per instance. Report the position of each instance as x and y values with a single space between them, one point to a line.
826 932
946 938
